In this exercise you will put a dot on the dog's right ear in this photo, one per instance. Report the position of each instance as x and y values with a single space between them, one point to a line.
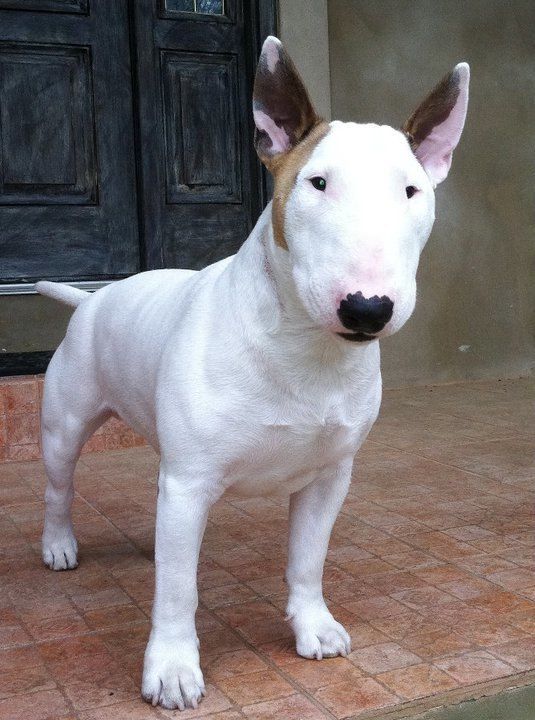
283 113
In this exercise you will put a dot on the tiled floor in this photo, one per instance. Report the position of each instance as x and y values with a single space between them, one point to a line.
431 568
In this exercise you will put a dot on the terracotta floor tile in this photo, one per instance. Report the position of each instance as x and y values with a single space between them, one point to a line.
347 554
399 626
520 654
312 675
501 460
294 707
385 656
525 620
19 658
525 557
468 533
466 589
213 703
501 601
255 687
362 568
113 616
514 579
474 667
130 710
440 574
31 679
56 627
268 586
364 634
281 652
412 560
261 632
375 607
12 634
485 564
228 665
354 697
417 681
219 641
431 568
257 611
441 644
102 691
252 571
214 578
393 582
127 638
43 705
423 598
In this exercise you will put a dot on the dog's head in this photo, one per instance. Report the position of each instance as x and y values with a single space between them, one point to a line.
353 204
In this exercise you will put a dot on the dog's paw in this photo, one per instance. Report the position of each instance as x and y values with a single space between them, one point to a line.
318 635
60 549
172 675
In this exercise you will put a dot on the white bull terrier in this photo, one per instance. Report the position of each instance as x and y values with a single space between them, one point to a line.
260 374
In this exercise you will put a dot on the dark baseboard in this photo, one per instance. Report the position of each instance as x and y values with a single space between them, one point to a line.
29 363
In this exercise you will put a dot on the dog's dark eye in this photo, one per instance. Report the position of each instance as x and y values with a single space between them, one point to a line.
319 183
411 190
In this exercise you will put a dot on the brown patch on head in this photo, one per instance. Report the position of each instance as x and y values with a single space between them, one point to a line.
285 170
434 110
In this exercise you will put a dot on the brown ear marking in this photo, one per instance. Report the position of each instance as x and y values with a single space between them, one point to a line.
434 110
285 169
280 93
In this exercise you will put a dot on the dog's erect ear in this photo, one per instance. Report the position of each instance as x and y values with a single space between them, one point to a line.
435 128
283 113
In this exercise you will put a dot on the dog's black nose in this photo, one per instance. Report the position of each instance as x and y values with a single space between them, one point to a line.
365 315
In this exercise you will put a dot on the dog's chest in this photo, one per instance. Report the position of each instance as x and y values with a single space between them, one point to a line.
283 454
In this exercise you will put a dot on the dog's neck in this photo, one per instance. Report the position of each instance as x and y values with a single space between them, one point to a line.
275 321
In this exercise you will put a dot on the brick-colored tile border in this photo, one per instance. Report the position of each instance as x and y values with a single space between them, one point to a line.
20 404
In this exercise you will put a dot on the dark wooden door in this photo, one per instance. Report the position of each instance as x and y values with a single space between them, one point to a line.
67 171
200 180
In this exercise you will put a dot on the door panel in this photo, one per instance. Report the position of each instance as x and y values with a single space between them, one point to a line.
67 184
201 182
196 92
46 158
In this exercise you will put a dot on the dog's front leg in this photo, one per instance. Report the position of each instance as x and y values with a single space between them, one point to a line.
313 511
172 675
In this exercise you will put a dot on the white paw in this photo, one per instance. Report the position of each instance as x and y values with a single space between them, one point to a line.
60 549
318 635
172 675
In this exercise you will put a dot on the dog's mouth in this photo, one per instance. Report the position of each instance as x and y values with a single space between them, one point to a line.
357 336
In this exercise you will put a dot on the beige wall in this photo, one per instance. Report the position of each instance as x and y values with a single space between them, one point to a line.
304 32
475 315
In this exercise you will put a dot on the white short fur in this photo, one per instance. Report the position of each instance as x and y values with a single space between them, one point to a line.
237 377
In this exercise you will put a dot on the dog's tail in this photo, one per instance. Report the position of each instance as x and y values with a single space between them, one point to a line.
64 293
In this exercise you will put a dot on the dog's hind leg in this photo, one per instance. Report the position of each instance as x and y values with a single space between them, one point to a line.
70 415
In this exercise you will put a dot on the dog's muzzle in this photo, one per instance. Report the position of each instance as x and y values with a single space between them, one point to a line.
365 317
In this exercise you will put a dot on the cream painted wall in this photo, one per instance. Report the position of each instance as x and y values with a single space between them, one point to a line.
475 315
305 34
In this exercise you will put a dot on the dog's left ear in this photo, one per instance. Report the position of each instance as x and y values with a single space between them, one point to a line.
435 128
283 112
